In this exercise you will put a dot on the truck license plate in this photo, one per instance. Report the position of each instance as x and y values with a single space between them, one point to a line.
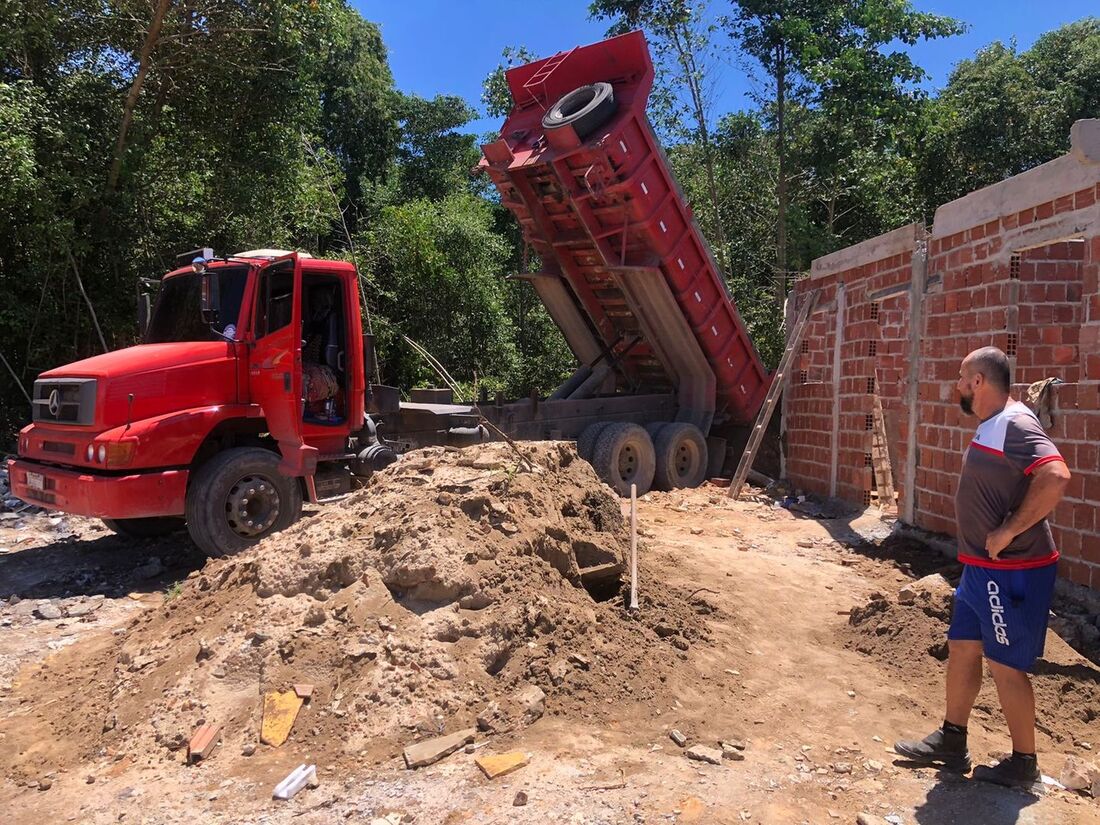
35 481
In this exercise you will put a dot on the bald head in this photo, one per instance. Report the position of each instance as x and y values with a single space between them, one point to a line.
985 381
991 363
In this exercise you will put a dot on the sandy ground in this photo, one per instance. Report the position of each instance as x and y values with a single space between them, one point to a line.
779 670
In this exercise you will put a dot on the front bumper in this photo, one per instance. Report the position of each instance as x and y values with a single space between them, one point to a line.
83 493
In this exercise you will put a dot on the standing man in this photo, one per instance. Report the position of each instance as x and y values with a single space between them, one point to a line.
1012 478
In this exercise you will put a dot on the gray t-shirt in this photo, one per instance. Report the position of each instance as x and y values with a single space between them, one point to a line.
996 475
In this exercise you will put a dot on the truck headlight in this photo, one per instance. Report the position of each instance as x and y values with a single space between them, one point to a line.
102 455
89 454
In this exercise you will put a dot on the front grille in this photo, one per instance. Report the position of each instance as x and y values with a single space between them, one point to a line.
64 400
60 447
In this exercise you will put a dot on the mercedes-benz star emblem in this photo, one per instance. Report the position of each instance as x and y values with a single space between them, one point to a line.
55 403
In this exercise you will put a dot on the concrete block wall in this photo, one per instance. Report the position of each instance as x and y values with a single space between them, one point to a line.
1016 265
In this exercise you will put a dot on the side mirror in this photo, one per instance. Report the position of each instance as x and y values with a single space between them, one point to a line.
211 297
144 310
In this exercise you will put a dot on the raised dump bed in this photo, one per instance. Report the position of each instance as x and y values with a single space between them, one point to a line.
625 273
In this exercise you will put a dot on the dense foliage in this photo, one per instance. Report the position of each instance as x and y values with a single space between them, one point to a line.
134 131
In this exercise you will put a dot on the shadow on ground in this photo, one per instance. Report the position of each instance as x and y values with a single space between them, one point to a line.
955 800
107 564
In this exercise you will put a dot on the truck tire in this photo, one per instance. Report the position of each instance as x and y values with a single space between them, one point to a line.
239 497
586 442
681 457
144 528
623 456
585 109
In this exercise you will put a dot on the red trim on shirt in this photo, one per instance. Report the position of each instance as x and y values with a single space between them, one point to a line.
1041 461
986 449
1010 564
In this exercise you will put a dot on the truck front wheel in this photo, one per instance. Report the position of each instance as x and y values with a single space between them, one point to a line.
238 498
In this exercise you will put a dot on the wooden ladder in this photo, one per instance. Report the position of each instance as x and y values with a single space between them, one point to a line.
880 457
779 381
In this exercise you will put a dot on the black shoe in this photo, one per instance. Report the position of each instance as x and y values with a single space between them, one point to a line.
939 746
1013 772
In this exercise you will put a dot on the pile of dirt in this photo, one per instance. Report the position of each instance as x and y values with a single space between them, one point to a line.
449 588
907 634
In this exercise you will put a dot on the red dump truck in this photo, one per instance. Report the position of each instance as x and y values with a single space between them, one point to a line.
253 389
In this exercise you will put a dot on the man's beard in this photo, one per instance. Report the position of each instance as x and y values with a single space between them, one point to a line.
966 403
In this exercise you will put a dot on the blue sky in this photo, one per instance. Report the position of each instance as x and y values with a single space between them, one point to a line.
440 47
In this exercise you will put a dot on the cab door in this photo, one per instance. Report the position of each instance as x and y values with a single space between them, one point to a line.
275 365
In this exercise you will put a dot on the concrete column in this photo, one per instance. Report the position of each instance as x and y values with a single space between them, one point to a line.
912 391
838 341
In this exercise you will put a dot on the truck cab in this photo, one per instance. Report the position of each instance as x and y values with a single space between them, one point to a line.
246 395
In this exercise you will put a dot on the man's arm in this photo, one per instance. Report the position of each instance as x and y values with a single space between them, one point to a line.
1048 484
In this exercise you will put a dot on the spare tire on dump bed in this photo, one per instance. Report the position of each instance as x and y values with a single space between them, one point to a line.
585 109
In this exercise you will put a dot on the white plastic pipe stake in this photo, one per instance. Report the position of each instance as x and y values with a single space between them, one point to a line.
299 778
633 546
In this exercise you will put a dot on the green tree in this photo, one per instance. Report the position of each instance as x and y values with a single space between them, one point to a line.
133 132
435 271
1003 111
496 97
834 54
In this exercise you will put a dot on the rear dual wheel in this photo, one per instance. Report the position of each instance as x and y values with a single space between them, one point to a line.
586 441
681 451
622 456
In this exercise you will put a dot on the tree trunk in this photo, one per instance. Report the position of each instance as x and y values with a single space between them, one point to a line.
128 107
781 187
691 75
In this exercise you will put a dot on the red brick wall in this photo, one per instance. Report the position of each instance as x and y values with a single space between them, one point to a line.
1042 306
810 398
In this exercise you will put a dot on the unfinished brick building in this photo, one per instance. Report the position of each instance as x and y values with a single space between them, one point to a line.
1015 265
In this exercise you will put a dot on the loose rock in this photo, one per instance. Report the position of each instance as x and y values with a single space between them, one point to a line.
47 610
732 753
426 753
1079 775
701 753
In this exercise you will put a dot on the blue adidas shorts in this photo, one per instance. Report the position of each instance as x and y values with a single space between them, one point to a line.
1006 610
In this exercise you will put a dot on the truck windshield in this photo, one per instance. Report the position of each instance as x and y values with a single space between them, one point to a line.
177 315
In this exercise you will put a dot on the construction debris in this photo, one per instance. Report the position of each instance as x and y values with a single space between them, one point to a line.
431 614
422 754
494 765
702 753
301 777
732 753
677 737
280 710
203 742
